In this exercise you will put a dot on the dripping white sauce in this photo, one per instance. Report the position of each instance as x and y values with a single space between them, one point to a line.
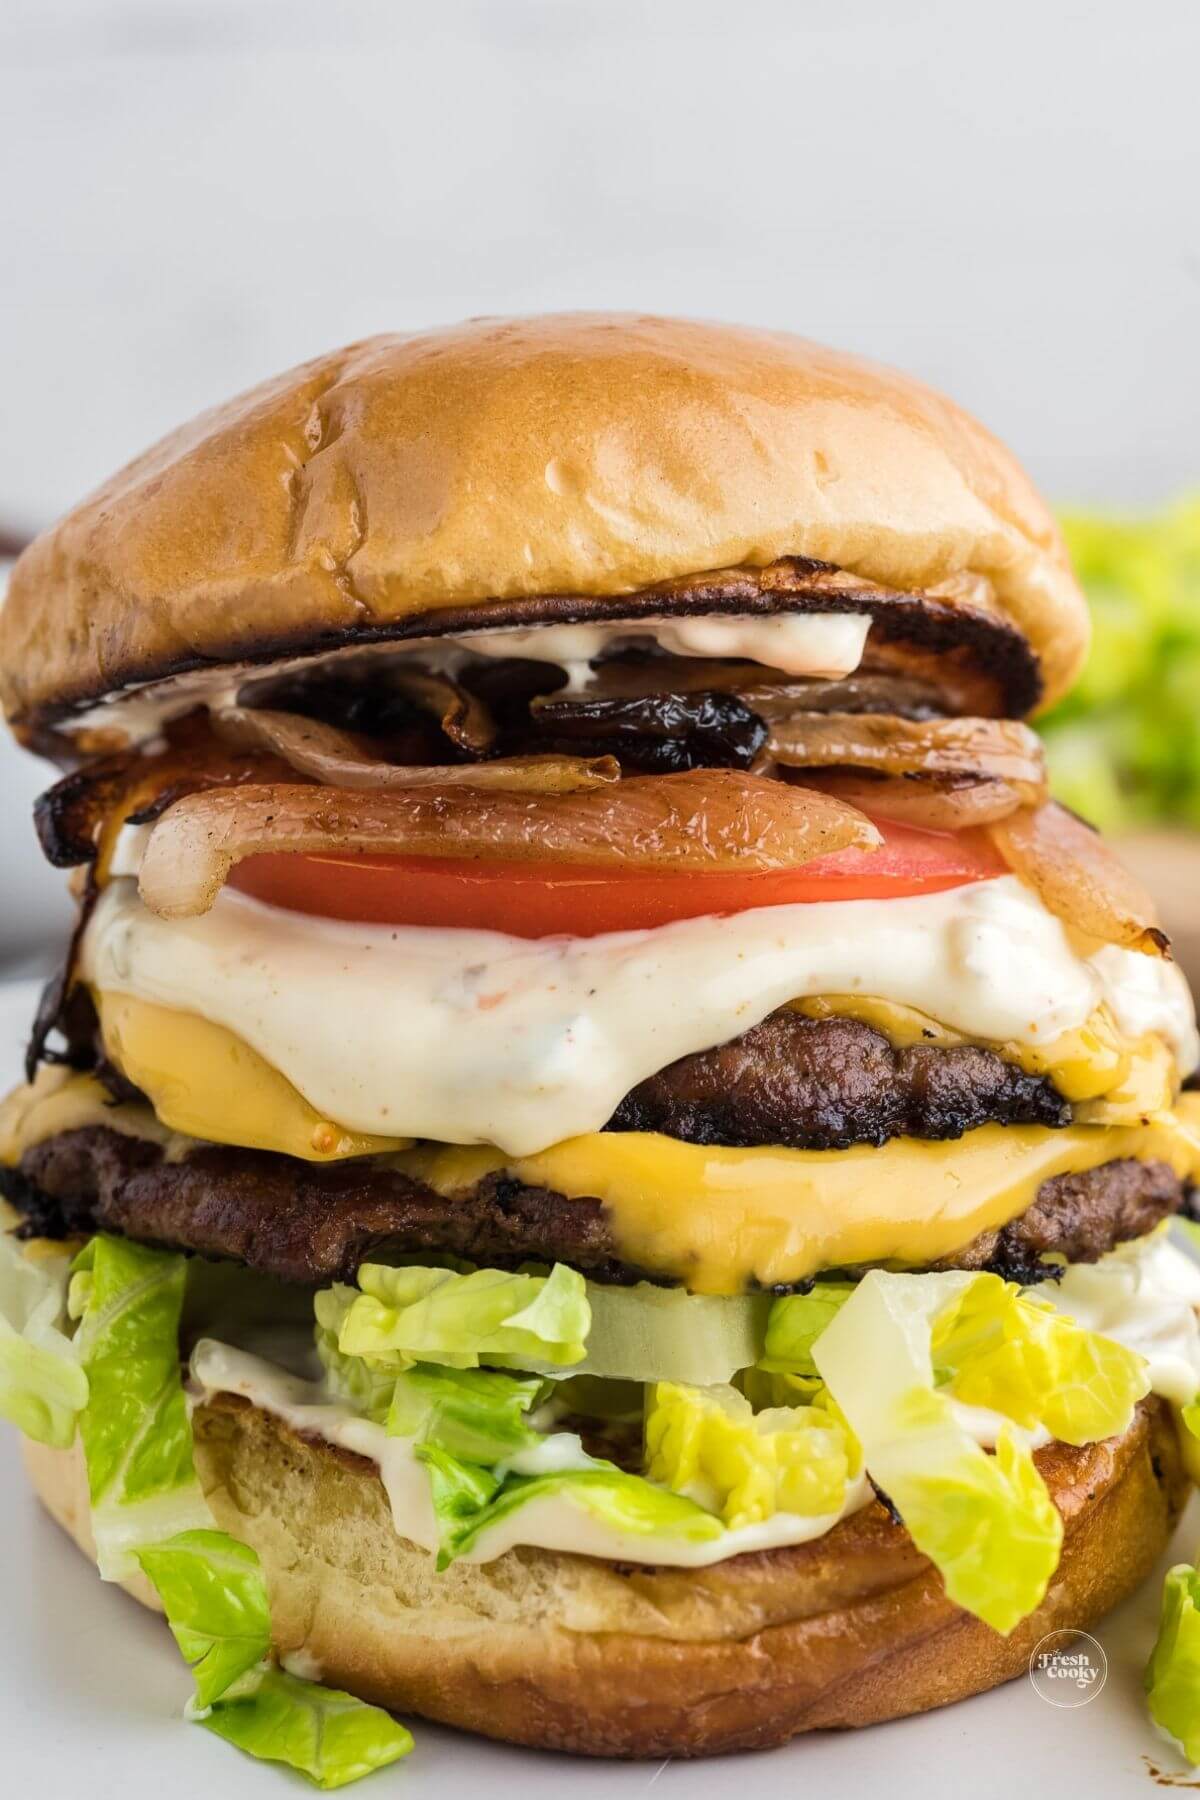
818 646
476 1037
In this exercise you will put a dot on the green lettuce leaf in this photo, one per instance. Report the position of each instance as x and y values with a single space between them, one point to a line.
475 1414
215 1599
43 1389
148 1511
638 1333
137 1437
986 1522
796 1321
331 1737
1173 1672
1021 1358
746 1466
409 1315
469 1500
362 1384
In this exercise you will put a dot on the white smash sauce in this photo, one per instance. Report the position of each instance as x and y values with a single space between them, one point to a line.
476 1037
552 1521
820 646
1143 1295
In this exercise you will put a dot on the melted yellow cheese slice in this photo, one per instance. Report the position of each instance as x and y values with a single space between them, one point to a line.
59 1100
716 1219
204 1081
719 1220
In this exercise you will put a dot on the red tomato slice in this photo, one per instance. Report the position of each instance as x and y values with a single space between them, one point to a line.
534 900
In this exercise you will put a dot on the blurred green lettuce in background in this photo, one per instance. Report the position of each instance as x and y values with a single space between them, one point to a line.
1124 746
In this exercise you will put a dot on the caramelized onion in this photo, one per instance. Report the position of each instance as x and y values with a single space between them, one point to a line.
658 734
890 745
78 819
339 759
931 802
1078 877
364 691
464 719
699 823
768 692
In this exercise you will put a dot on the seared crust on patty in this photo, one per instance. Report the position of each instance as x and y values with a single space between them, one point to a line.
1079 1217
614 1659
315 1223
825 1084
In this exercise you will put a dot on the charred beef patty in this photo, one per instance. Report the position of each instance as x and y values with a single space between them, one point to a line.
315 1224
825 1084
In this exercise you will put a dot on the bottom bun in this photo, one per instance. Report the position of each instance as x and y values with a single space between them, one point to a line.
615 1659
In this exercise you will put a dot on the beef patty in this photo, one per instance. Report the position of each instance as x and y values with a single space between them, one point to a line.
825 1084
315 1223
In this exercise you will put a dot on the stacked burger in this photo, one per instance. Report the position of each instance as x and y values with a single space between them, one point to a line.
599 1166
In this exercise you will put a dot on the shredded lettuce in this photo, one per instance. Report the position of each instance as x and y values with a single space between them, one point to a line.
1035 1365
476 1414
43 1389
329 1736
137 1437
468 1500
796 1322
360 1382
1173 1672
745 1466
409 1315
986 1522
543 1324
148 1512
215 1599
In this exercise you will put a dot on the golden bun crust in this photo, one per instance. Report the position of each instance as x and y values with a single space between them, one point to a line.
505 460
567 1653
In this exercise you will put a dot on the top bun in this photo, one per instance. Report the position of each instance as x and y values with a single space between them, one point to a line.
503 460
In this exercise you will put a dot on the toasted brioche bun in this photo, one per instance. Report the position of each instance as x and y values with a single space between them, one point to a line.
568 1653
413 482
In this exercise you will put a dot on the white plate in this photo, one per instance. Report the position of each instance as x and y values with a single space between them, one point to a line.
91 1690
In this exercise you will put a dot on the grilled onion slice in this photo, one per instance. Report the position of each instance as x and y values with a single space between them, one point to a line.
373 684
930 802
1078 877
464 719
768 692
335 757
700 822
889 745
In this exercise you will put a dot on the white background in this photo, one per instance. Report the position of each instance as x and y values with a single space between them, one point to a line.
195 193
